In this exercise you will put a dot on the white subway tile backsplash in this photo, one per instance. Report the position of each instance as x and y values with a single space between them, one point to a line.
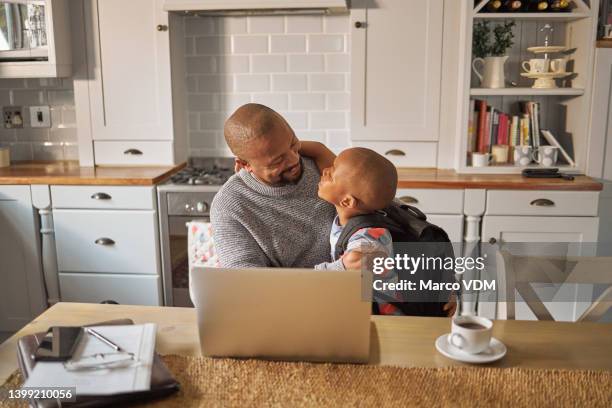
327 82
202 102
65 97
338 101
215 83
305 24
288 82
199 26
287 43
327 120
268 63
306 63
27 97
12 83
266 24
47 151
308 101
202 140
212 120
297 120
252 83
247 44
337 63
189 46
231 25
336 24
212 45
71 151
232 64
297 65
201 65
5 98
7 135
276 101
231 102
63 135
325 43
28 134
68 117
19 151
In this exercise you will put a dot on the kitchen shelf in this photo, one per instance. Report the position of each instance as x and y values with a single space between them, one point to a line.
535 16
526 91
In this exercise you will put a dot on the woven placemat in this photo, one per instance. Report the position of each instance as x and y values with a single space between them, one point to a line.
207 382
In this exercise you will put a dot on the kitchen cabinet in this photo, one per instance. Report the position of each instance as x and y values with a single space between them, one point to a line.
541 235
22 292
107 243
135 117
396 54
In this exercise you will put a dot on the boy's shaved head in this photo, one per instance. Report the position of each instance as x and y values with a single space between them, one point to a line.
369 176
250 122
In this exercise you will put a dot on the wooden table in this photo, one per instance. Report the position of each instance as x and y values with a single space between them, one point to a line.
403 341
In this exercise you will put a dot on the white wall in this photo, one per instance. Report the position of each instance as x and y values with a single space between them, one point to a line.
297 65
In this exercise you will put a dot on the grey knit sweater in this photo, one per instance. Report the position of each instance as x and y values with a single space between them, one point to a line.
257 225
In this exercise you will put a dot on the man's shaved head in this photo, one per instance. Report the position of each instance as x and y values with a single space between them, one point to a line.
248 123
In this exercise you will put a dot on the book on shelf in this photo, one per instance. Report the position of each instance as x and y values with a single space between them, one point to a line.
489 126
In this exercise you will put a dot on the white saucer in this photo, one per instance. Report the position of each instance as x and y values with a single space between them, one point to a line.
494 352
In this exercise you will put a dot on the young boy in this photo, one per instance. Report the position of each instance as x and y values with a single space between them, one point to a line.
358 181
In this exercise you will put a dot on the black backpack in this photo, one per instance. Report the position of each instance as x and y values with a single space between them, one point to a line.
407 224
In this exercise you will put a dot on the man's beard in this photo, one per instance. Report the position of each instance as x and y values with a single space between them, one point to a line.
285 178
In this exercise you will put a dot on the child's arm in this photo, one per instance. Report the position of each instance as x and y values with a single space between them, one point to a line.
322 156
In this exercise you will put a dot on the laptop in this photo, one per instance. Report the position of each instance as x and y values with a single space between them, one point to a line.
281 314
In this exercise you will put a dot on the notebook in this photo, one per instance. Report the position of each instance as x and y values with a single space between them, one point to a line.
162 382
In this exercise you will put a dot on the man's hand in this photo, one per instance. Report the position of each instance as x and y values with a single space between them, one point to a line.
451 306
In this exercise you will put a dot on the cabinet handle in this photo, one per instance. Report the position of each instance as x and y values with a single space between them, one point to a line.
492 241
542 202
134 152
394 152
101 196
104 241
109 302
162 27
360 24
409 200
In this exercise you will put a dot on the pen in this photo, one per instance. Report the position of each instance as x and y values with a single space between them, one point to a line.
102 338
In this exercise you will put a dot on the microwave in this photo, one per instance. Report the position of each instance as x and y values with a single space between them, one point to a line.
23 30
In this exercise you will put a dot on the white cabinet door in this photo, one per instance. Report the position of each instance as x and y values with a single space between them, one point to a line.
396 53
130 88
545 236
22 293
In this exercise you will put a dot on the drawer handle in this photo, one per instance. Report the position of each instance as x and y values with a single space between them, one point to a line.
542 202
409 200
101 196
394 152
134 152
104 241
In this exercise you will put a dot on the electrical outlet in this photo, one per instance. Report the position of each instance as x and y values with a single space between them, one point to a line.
13 117
40 117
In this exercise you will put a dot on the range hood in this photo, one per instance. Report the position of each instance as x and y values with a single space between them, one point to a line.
256 7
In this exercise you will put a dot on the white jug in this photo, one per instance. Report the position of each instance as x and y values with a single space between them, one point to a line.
493 76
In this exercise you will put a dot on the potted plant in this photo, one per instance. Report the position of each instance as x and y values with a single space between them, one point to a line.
490 52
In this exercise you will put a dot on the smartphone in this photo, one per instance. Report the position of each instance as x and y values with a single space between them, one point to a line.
58 344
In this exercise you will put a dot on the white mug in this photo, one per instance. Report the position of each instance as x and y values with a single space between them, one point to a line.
500 153
522 155
546 155
559 65
536 65
471 334
481 159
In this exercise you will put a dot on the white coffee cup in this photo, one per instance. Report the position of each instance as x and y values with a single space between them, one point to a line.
481 159
536 65
559 65
500 153
522 155
546 155
471 334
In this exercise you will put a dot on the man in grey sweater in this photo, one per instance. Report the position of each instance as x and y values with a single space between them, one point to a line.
269 213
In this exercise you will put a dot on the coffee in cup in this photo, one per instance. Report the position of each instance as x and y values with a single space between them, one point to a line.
471 334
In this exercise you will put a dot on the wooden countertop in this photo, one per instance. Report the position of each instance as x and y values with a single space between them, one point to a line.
69 172
604 43
394 340
441 178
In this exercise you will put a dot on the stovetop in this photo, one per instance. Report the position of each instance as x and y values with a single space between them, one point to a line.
204 171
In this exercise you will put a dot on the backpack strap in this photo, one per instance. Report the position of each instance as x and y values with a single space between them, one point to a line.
359 222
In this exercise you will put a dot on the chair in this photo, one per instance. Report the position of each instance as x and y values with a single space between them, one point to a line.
516 274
